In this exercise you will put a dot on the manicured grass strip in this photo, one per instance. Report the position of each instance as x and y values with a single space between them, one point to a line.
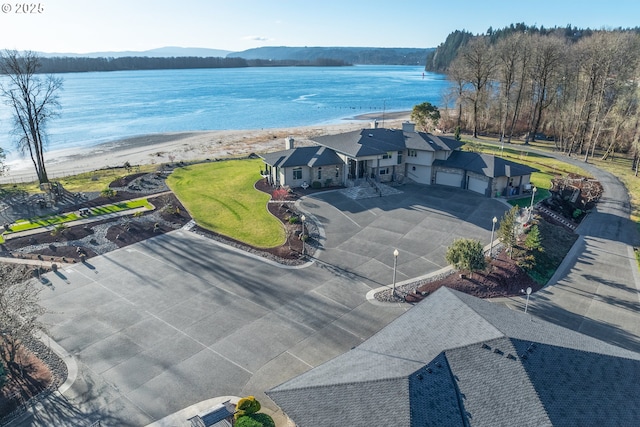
45 221
221 197
119 207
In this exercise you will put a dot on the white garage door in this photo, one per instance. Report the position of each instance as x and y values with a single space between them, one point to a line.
448 178
477 185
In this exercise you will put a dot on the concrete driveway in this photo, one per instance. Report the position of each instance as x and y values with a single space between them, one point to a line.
421 222
178 319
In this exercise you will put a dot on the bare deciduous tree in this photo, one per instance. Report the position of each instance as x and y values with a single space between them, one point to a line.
33 101
478 66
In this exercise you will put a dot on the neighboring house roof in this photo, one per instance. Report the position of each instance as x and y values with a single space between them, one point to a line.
456 360
484 164
375 142
302 156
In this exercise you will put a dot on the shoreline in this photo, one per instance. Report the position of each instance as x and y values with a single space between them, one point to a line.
170 147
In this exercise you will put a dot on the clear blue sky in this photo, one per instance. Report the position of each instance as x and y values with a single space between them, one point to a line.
82 26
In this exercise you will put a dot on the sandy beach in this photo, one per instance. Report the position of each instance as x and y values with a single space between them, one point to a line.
188 146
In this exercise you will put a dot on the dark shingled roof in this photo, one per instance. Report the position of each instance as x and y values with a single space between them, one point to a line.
456 360
484 164
302 156
374 142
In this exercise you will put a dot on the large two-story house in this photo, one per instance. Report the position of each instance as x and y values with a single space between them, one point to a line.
386 155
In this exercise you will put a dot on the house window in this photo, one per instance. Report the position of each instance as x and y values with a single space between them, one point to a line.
387 155
399 157
320 172
337 172
383 171
412 153
297 173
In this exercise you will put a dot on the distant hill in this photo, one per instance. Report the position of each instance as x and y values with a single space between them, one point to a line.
162 52
351 55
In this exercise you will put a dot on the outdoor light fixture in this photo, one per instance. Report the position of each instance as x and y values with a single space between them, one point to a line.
493 228
533 194
302 218
395 266
526 304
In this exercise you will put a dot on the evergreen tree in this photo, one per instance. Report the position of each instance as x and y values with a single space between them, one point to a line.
507 232
533 242
466 255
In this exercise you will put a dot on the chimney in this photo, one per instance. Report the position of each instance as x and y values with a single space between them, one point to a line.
288 143
374 124
408 127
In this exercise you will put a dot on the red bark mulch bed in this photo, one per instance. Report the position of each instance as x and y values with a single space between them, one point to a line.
501 279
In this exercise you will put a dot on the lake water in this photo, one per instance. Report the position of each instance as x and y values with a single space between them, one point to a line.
106 106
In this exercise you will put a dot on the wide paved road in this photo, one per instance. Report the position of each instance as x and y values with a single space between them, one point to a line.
596 290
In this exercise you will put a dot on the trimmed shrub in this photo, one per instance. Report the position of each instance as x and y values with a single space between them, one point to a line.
108 193
466 254
316 184
255 420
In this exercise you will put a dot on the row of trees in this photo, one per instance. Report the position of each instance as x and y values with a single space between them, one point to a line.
82 64
584 94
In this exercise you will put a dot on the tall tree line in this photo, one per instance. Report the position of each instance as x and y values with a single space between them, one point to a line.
82 64
583 94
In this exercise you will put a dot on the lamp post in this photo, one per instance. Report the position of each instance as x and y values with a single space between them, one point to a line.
395 266
302 218
533 194
526 304
493 228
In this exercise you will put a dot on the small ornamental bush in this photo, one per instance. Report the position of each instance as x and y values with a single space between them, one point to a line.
316 184
108 193
280 194
293 219
255 420
59 229
247 415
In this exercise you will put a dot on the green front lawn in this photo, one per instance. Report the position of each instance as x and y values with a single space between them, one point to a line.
221 197
45 221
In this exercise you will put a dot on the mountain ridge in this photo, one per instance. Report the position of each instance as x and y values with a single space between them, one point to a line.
349 55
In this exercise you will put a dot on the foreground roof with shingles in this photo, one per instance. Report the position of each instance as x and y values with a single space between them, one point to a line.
456 360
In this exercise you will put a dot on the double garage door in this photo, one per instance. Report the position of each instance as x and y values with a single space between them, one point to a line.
455 180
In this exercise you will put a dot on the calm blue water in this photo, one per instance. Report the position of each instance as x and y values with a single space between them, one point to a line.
106 106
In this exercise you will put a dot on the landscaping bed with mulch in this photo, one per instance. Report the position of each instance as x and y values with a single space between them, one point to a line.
503 277
73 243
36 372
